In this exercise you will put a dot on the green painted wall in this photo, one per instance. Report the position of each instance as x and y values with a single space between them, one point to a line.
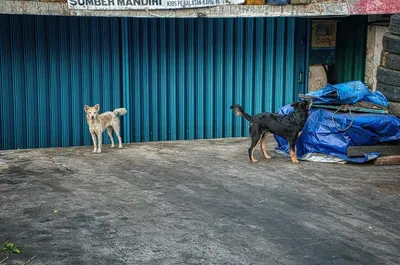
350 48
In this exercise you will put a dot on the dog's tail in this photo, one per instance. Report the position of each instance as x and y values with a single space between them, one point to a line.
239 111
120 111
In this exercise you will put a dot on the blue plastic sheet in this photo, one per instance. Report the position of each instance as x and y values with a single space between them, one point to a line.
348 93
277 2
320 136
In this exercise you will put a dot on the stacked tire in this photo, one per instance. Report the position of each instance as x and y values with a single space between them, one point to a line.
388 73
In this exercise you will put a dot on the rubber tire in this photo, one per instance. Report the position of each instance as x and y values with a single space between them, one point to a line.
392 93
391 43
390 60
394 108
387 76
394 26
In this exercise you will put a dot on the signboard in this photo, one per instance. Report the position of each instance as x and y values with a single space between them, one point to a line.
323 34
323 42
146 4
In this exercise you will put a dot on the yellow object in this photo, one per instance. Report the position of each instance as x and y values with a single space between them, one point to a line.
254 2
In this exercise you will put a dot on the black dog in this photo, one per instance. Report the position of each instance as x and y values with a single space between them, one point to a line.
288 126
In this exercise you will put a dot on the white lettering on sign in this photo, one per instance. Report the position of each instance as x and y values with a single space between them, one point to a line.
146 4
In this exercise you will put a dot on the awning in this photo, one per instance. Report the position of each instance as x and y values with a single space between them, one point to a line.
317 8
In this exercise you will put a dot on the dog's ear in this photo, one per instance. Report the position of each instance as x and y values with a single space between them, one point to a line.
97 107
86 108
294 104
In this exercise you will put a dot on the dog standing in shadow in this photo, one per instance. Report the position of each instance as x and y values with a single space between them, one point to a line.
287 126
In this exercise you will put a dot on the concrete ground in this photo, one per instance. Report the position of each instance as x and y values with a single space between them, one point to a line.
195 202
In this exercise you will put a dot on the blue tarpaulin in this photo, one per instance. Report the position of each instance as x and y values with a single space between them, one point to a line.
348 93
320 135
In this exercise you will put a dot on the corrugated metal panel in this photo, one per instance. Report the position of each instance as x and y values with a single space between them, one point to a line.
176 77
50 68
351 48
184 74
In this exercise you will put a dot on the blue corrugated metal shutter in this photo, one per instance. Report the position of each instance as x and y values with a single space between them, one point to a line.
177 77
49 68
183 74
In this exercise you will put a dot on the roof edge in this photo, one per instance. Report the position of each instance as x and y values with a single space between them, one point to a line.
226 11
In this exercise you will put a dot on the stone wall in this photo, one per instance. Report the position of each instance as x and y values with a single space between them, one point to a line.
373 53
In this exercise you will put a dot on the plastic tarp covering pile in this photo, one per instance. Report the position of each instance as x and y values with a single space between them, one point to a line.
321 141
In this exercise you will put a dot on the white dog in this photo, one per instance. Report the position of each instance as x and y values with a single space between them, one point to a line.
99 122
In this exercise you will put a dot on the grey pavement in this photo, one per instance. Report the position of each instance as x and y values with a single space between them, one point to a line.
195 202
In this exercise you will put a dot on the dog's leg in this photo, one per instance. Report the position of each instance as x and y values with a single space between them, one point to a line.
100 138
264 145
116 130
109 132
293 156
255 139
94 142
